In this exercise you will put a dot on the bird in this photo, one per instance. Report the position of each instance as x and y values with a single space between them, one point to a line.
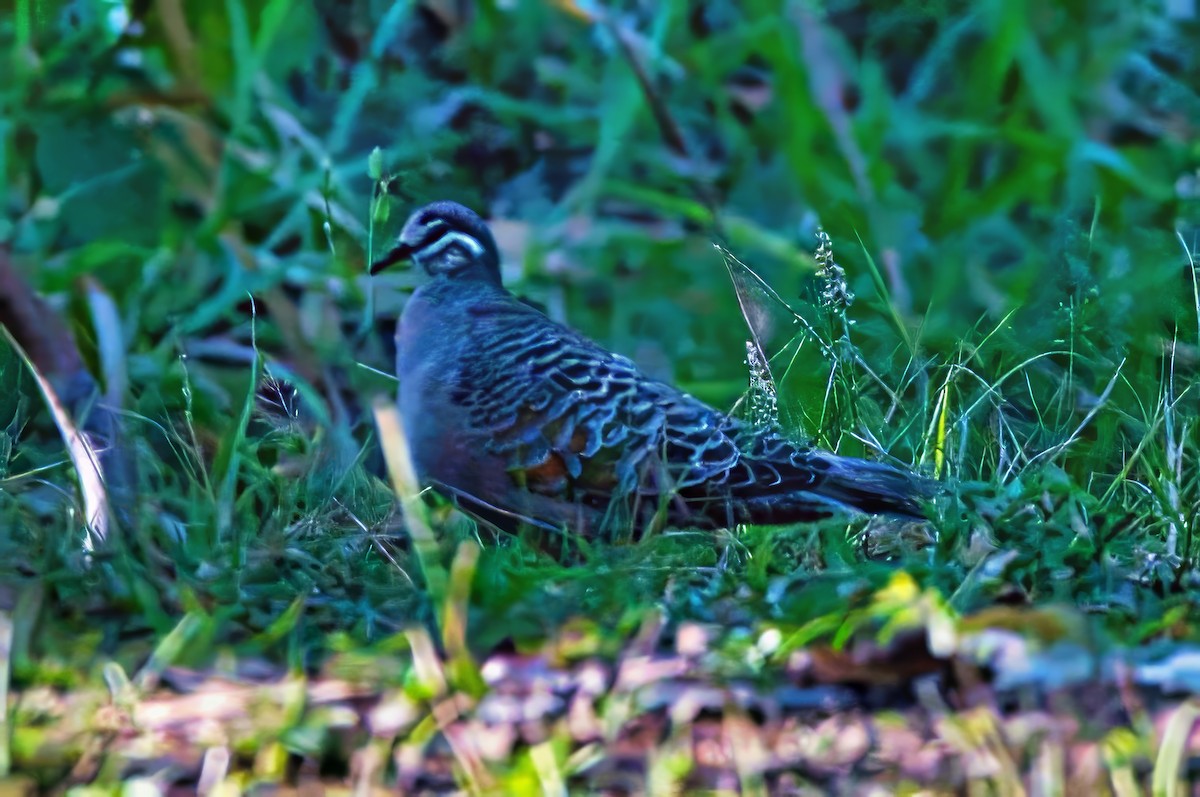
524 421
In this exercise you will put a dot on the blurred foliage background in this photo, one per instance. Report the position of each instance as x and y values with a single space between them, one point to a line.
1012 189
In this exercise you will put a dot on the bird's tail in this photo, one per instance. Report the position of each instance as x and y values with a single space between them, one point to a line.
873 487
813 484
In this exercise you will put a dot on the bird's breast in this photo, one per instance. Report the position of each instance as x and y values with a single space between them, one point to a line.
431 349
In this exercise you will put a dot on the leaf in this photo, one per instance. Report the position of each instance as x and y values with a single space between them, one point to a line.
83 456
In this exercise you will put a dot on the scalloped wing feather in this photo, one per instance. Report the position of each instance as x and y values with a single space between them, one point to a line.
577 418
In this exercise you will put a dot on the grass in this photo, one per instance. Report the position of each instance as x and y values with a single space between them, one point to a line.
1003 190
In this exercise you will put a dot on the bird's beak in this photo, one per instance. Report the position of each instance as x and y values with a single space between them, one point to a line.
398 254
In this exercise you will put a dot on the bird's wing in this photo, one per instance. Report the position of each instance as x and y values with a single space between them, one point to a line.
579 423
575 420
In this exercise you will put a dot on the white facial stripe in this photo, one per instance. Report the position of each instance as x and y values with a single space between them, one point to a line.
462 239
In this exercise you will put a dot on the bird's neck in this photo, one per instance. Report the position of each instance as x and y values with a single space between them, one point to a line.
480 271
445 289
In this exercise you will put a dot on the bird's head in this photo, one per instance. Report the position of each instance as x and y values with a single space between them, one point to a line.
446 239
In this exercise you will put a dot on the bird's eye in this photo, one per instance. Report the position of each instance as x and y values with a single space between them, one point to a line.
449 251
